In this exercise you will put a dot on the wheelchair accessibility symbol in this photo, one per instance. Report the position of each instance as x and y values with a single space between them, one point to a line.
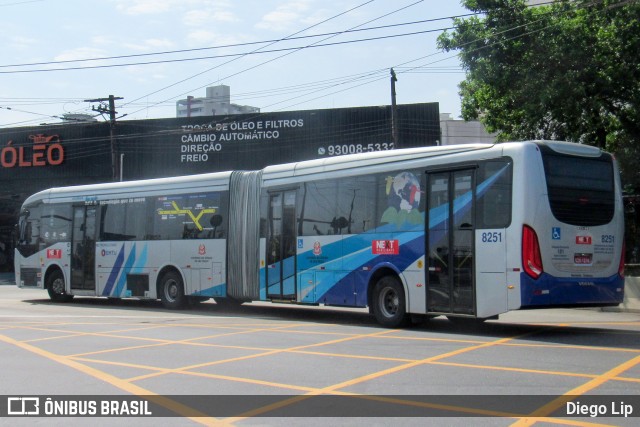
555 233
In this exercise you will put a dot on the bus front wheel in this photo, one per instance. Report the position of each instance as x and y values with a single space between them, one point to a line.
172 290
389 303
56 287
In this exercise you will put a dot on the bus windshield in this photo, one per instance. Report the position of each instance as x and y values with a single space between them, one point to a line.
23 227
29 230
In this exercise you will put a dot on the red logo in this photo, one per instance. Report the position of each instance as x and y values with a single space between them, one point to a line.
385 247
317 249
583 240
46 150
202 250
54 253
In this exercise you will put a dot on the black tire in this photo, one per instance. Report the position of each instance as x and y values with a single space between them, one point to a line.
389 303
171 290
56 287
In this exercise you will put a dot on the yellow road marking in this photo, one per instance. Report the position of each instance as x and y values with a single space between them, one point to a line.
510 369
165 402
74 334
510 344
296 387
267 353
564 421
588 386
156 341
595 382
352 356
368 377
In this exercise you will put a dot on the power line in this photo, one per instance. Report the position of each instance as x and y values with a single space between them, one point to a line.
297 89
286 54
292 37
419 66
255 50
230 55
172 52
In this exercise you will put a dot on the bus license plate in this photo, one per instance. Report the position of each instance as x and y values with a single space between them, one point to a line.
583 259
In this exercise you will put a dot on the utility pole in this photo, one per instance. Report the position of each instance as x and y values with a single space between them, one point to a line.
111 110
394 110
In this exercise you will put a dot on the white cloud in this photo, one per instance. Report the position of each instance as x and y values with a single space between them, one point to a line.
19 42
201 37
149 7
150 45
210 38
102 40
196 18
146 7
159 43
80 53
285 16
156 71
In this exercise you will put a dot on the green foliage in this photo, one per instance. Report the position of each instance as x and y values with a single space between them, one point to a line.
569 70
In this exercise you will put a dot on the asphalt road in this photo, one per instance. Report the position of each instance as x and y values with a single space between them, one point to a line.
265 364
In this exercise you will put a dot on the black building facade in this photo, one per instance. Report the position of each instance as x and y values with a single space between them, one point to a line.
35 158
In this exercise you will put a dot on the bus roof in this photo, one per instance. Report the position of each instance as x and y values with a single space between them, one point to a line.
307 167
329 164
124 187
571 148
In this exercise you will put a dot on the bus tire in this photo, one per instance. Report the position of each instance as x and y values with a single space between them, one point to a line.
389 303
56 287
171 290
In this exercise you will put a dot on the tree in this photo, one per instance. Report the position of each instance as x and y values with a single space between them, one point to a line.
566 70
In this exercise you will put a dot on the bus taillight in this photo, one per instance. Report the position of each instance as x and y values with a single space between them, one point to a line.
531 258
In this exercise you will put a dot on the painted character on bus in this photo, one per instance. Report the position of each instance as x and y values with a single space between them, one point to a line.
403 197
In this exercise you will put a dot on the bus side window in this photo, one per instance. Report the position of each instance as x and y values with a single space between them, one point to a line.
493 194
319 213
357 204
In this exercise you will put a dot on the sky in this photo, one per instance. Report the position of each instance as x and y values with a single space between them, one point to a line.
277 55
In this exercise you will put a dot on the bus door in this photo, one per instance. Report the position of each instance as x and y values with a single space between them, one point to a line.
450 242
281 246
83 248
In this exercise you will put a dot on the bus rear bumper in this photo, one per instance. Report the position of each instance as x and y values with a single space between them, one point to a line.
550 291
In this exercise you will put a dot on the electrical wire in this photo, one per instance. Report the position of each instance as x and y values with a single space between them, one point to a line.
229 55
255 50
171 52
401 71
332 34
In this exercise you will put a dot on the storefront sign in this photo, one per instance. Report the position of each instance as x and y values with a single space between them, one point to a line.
45 151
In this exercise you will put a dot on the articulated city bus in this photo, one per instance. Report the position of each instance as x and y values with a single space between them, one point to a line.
467 231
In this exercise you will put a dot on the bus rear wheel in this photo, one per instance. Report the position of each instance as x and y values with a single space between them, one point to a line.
56 287
172 290
389 303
